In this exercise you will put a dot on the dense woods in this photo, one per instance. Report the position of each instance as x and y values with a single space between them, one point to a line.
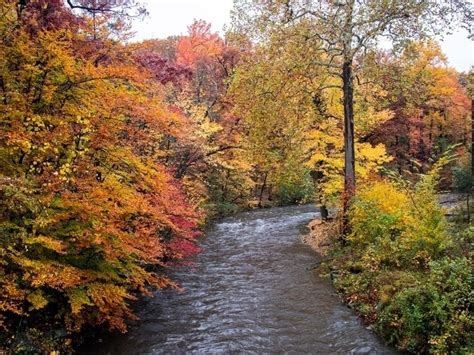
114 154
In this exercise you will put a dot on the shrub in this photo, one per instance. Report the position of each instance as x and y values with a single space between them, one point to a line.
463 183
406 269
436 314
399 226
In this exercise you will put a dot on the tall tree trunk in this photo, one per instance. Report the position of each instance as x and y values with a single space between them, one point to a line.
348 93
349 151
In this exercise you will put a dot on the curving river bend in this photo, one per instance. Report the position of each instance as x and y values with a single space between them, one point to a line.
250 290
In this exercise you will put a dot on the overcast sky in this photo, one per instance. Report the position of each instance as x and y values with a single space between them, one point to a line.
172 17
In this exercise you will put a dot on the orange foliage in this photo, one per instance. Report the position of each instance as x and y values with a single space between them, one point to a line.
89 214
199 45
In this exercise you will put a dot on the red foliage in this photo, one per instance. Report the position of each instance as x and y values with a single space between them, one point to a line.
47 15
162 69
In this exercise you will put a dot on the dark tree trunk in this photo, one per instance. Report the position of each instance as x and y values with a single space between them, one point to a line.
262 189
349 151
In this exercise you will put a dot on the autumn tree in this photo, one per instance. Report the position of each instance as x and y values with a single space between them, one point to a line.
291 112
430 106
343 31
212 61
208 158
89 216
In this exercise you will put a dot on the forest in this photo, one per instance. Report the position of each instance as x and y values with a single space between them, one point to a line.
115 156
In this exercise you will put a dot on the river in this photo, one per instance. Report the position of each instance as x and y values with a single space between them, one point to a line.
250 290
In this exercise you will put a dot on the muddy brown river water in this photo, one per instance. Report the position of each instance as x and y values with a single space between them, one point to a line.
251 290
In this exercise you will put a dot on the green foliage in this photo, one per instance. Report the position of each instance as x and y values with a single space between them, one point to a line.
463 182
462 178
437 313
294 187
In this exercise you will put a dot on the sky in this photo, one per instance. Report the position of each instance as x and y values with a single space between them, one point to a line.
172 17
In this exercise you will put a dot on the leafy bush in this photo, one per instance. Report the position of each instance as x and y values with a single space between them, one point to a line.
463 183
397 225
462 178
437 314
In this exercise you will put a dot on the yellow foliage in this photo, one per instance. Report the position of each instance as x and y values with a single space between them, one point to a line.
370 158
78 298
387 197
399 220
37 300
47 242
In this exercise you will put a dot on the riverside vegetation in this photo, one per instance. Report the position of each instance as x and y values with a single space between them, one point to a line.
405 269
114 154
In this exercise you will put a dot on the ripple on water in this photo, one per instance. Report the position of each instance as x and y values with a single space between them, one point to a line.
250 290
